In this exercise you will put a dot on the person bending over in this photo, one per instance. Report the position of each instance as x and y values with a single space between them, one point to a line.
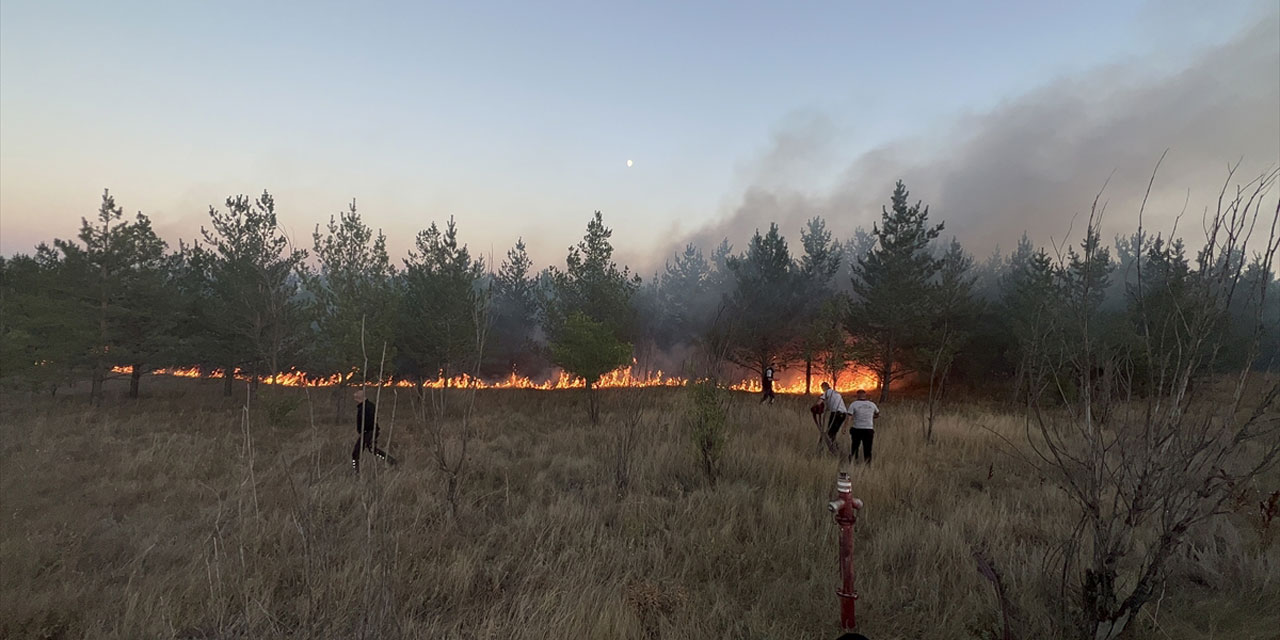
835 405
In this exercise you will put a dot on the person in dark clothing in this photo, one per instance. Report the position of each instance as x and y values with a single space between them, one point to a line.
367 427
766 385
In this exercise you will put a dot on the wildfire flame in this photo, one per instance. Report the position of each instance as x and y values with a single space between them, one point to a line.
850 379
622 377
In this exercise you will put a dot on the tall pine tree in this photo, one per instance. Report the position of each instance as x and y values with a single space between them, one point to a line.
352 300
1029 294
441 306
891 287
116 276
763 302
254 283
589 313
684 294
515 315
818 265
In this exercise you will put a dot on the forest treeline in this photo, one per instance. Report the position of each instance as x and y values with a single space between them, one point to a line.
904 299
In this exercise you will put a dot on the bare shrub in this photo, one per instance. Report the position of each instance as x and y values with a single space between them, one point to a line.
1154 435
450 436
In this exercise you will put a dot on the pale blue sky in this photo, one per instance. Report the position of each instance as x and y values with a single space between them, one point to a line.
517 118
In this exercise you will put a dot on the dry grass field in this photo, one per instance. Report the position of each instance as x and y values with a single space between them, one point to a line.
167 518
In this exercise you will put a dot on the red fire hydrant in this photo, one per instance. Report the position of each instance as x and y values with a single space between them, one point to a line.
845 508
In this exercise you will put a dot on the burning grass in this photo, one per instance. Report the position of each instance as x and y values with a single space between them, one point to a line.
171 517
628 377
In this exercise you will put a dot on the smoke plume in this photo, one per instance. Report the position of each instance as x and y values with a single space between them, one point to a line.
1034 162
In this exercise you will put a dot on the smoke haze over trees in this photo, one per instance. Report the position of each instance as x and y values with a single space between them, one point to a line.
899 299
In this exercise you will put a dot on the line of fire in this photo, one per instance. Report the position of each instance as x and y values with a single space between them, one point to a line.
850 379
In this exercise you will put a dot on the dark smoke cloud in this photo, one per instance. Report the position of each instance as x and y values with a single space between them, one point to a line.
1036 161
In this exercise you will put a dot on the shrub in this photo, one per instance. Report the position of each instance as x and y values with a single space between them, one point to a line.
708 426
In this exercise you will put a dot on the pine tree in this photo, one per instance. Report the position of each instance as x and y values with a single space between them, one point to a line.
146 320
1029 296
1083 282
1259 315
352 300
515 314
592 284
953 310
987 275
46 324
588 349
891 287
685 302
763 301
649 326
599 297
819 264
835 351
196 338
441 298
714 339
1159 286
254 285
722 278
116 276
101 262
853 249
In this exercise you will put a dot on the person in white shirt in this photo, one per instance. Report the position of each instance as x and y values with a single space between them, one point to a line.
864 413
835 406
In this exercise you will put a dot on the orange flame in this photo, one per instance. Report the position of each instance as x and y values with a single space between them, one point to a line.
849 380
620 378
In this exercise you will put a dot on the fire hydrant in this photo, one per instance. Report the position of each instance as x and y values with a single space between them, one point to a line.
845 509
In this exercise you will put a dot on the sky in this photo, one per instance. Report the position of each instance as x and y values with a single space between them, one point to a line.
518 119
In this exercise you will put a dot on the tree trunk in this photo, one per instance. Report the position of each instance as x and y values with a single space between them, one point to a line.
886 370
95 389
134 379
1018 377
100 363
339 397
451 493
228 377
593 409
808 374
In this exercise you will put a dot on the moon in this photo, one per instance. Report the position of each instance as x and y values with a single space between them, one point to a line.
628 163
